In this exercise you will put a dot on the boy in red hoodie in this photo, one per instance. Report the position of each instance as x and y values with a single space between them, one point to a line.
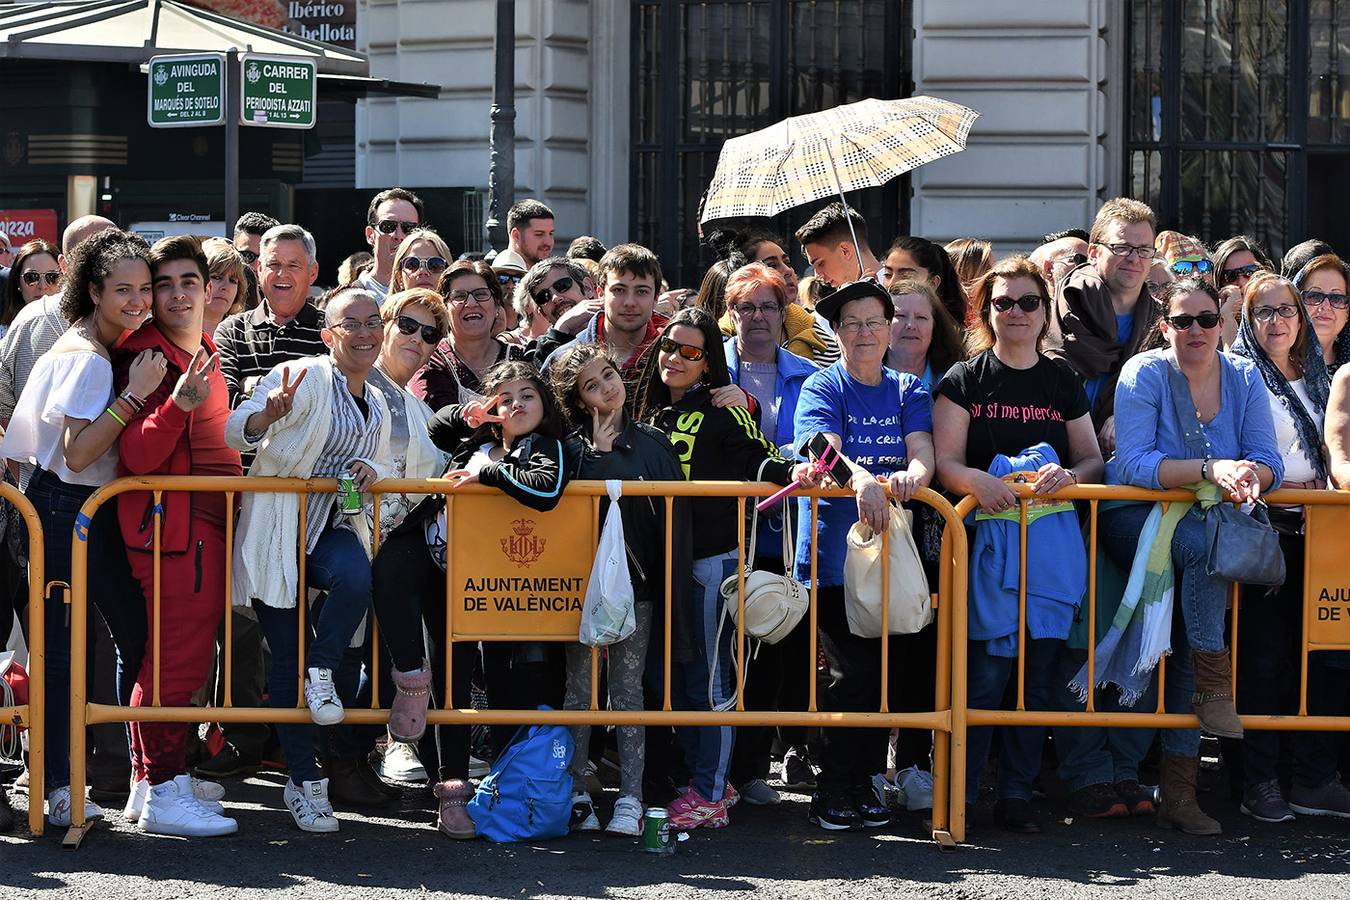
177 430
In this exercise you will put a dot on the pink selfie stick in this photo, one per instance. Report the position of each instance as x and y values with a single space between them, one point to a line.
817 466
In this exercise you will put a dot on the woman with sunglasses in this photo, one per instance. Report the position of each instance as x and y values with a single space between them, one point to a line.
1005 400
714 444
1219 431
1322 284
36 274
420 261
1236 262
1277 335
455 372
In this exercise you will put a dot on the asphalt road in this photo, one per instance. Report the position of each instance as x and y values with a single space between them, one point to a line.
768 852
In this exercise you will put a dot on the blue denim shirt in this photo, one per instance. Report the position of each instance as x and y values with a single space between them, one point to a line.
1146 421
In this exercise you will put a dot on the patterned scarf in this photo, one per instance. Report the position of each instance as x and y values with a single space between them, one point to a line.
1316 379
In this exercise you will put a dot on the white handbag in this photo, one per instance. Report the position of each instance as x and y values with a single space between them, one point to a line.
911 606
607 614
774 604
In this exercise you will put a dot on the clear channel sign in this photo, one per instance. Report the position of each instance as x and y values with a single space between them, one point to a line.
278 91
186 90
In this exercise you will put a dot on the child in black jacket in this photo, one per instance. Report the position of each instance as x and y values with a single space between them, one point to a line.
512 441
714 443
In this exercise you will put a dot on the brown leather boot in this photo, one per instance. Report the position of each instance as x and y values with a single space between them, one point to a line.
453 817
1213 697
1179 808
408 712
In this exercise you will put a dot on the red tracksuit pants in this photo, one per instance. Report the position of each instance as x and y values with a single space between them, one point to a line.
191 603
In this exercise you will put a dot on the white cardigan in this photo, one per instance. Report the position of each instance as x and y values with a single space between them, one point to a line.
267 545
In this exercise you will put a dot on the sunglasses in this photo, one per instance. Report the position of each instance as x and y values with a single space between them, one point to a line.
1231 276
1072 261
433 264
1192 267
431 334
1268 313
556 289
1028 303
389 226
1207 321
686 351
31 278
508 278
1312 298
249 256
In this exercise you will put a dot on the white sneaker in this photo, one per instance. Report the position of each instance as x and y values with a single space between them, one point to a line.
309 805
58 808
321 694
478 768
917 787
207 792
583 814
400 763
172 808
627 817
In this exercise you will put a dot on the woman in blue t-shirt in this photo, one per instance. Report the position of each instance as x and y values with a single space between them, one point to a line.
881 421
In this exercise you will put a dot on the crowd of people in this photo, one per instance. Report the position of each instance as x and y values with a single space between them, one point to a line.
1116 355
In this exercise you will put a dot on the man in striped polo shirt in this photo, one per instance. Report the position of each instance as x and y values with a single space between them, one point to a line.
286 326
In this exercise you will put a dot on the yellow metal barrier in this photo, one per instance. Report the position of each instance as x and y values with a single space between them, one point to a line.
473 509
30 714
1327 623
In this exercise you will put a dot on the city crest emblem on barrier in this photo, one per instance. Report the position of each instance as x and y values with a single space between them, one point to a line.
523 547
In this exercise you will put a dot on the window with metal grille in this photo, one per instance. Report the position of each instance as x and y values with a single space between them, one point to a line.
705 71
1238 117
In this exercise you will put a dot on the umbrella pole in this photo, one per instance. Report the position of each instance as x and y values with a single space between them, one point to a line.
857 252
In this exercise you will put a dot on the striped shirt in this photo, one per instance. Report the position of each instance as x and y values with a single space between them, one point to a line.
33 332
354 434
251 345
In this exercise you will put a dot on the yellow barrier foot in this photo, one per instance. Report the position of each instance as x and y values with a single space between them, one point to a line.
75 835
946 843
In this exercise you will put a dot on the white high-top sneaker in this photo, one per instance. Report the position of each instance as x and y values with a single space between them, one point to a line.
207 792
400 763
321 695
309 805
171 808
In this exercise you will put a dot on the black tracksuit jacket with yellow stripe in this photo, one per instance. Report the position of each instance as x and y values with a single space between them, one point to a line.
718 445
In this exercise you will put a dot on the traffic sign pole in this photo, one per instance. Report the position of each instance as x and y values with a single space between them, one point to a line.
232 142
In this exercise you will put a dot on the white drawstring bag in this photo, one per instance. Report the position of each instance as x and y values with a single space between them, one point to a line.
911 606
607 614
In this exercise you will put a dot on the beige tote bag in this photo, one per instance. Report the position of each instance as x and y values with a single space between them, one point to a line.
911 606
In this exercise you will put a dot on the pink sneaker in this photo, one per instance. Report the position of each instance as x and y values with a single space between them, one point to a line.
730 796
690 810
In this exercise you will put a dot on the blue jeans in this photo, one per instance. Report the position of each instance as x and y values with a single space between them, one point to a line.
1083 758
338 564
113 591
707 749
1201 597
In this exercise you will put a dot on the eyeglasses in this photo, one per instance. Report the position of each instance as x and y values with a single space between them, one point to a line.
1145 251
853 326
431 334
748 310
433 264
389 226
1268 313
1312 298
1192 267
351 326
1027 303
554 290
1207 321
1156 288
686 351
35 277
1232 276
478 295
1072 261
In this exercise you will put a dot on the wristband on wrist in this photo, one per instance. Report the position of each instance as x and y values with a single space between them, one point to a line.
112 412
1204 469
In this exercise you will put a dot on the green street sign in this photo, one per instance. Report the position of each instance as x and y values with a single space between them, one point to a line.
278 91
186 90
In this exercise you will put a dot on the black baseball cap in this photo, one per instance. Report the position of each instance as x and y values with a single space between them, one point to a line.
831 306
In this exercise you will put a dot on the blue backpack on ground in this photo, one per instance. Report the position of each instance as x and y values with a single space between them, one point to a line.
528 794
